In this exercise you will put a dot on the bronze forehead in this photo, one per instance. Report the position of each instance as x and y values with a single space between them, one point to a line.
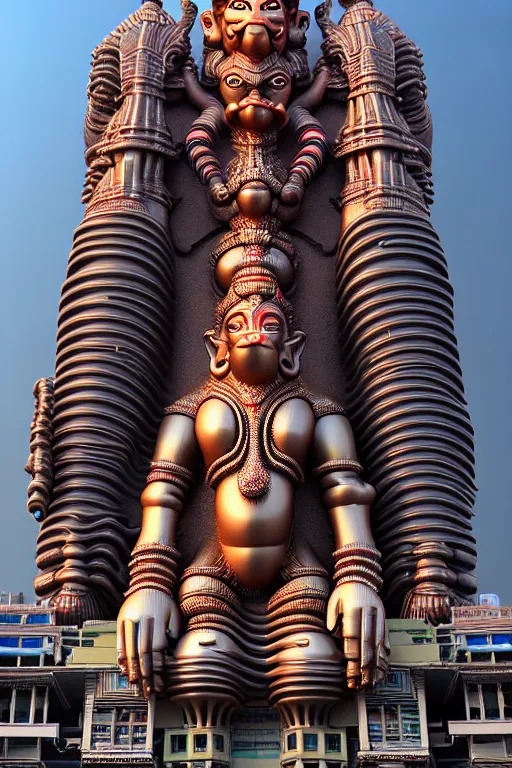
252 71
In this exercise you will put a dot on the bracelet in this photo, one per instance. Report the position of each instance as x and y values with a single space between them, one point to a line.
358 562
337 465
153 566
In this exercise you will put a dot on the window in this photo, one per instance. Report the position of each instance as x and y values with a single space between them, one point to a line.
5 705
476 640
178 742
506 690
22 748
489 701
391 719
218 742
31 642
10 618
332 742
114 682
291 741
101 736
501 639
39 705
119 728
22 702
200 742
38 618
310 742
393 724
490 698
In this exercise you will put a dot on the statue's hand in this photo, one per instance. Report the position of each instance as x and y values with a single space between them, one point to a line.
146 621
428 603
218 191
292 193
355 613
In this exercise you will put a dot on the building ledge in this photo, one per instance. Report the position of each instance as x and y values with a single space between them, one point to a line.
393 755
480 727
28 731
117 757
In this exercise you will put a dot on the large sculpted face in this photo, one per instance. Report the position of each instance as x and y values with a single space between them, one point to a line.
255 343
258 102
253 27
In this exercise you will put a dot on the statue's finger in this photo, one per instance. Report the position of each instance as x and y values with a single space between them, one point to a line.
351 628
145 641
353 674
132 657
159 672
121 647
368 644
333 614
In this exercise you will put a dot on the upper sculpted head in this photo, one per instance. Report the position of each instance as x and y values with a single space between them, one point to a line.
253 338
253 27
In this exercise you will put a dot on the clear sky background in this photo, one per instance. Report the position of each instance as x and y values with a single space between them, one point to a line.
44 63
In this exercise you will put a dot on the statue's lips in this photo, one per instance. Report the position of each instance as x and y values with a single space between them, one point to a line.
253 103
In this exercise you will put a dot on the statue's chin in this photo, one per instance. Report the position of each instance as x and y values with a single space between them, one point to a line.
254 365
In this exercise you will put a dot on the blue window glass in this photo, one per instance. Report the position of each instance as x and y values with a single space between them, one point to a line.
476 640
501 639
38 618
9 642
10 618
32 642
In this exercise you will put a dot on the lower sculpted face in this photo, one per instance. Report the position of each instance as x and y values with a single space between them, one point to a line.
255 337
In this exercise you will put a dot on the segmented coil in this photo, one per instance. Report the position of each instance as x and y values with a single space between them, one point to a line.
112 356
39 464
406 396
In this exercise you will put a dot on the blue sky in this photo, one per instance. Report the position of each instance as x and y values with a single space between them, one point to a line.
44 61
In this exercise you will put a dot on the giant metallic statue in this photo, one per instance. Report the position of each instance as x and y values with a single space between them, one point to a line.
259 606
231 601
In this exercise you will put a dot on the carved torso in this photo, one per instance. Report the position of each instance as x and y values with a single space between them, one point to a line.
255 442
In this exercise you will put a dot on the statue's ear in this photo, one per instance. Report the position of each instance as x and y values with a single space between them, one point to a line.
211 30
298 28
219 354
289 360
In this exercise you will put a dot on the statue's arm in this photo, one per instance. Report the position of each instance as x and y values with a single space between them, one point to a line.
149 612
355 610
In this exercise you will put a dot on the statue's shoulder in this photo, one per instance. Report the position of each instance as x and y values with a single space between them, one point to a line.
320 404
189 404
324 406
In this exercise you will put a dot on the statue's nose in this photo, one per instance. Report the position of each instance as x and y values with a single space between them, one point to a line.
255 337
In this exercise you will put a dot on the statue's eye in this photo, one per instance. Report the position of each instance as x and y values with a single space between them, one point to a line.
271 325
272 5
278 82
240 5
234 326
233 81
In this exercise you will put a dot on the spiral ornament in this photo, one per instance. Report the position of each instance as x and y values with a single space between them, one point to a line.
406 401
112 357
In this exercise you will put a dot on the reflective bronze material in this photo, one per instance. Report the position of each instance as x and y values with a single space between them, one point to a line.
40 462
396 311
115 318
226 601
256 601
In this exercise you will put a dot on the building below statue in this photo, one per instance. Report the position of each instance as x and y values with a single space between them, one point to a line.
447 700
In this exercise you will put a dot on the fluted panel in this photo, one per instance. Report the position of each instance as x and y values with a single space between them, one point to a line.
406 397
112 357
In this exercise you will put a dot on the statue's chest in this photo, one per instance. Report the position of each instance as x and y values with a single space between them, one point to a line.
254 440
